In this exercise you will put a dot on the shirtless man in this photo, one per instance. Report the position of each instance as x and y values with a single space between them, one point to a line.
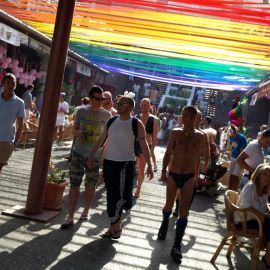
151 128
185 145
205 155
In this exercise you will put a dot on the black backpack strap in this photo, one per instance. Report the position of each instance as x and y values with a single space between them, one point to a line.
111 120
135 122
149 126
108 124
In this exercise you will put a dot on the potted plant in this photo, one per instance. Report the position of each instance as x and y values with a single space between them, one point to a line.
54 189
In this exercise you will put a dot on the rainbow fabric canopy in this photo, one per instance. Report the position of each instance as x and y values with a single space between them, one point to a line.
218 44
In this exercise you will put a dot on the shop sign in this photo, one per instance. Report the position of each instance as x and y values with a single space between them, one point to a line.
23 39
9 35
83 69
38 46
33 44
43 48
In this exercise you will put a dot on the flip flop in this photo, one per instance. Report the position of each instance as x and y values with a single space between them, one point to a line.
84 218
112 235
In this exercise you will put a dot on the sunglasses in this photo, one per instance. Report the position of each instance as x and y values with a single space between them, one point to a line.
121 104
98 98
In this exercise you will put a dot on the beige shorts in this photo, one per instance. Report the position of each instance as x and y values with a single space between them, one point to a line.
6 149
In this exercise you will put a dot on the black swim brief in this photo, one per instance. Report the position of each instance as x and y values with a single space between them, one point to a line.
181 178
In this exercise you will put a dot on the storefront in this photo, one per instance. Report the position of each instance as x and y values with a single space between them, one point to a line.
25 52
258 111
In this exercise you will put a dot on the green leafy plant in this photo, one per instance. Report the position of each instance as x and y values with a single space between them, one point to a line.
55 175
71 109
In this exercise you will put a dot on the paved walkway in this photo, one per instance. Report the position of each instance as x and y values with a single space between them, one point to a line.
31 245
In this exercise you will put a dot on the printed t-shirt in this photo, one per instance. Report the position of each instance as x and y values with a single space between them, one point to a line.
92 125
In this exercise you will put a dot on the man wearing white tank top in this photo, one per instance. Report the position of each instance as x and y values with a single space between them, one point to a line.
119 163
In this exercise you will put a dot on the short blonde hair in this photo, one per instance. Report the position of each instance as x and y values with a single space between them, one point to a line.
211 134
255 177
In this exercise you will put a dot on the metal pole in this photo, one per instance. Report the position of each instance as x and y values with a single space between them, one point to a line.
52 91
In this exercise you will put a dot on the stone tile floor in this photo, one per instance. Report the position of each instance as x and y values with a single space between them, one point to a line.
31 245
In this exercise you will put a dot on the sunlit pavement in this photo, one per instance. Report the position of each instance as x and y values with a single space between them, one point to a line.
31 245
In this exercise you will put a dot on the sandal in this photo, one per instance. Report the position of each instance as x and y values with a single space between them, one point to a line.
117 234
67 224
107 234
83 217
111 234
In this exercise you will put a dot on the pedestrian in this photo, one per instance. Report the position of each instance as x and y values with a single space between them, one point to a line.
266 150
136 89
119 162
84 104
153 95
147 88
11 110
184 146
200 95
27 98
252 156
88 125
60 119
151 127
238 144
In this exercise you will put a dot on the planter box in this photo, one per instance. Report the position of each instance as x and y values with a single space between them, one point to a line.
53 197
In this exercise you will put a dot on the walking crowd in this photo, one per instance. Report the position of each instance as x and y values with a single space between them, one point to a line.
108 135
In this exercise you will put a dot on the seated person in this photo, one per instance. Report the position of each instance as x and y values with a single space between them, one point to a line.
214 152
254 197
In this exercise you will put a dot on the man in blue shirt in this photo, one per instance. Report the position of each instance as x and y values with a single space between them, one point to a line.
238 143
11 109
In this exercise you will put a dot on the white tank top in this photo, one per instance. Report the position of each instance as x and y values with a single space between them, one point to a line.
120 144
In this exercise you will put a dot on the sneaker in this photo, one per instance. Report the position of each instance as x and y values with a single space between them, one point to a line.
176 254
155 168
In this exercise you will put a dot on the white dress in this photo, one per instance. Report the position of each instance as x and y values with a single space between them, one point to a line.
60 120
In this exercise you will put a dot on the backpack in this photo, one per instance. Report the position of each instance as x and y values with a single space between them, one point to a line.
135 120
149 125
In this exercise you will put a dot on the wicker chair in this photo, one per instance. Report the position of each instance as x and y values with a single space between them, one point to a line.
252 240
